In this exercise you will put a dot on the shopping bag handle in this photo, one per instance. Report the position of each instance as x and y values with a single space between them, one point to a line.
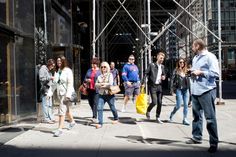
142 89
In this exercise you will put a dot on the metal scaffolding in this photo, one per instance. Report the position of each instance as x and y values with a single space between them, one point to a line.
139 12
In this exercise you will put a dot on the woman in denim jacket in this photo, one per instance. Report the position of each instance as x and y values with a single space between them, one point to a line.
103 83
46 78
180 85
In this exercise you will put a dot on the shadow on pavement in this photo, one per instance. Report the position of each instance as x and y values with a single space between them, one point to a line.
8 133
9 151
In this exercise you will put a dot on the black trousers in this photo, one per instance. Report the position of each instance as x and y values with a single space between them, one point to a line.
93 101
156 95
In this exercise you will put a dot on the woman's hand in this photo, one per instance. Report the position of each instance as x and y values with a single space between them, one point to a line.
88 80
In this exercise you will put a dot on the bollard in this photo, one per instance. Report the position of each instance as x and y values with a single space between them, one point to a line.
2 118
8 118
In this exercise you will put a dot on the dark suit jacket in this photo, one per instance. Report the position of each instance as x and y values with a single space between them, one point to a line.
151 73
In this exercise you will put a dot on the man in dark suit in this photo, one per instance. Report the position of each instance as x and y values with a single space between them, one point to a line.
155 73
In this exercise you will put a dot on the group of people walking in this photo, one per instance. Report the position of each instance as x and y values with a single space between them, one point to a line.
197 82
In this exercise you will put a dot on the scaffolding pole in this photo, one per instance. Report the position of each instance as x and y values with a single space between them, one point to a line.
168 26
197 20
219 54
94 33
45 22
205 20
134 20
149 32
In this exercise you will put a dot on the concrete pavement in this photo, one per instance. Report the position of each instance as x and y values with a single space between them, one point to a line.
132 136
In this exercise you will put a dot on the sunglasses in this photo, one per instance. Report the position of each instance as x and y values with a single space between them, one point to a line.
103 67
131 58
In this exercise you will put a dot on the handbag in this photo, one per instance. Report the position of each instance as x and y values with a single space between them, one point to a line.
83 88
114 90
73 97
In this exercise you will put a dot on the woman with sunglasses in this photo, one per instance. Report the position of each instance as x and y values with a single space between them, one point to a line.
103 83
180 85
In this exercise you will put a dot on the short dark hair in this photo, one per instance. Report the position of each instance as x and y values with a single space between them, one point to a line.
50 62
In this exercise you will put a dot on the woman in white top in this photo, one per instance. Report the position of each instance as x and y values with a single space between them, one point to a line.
103 83
64 83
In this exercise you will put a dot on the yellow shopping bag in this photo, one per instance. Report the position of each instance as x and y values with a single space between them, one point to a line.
141 102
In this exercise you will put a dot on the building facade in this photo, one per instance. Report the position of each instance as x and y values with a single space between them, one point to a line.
228 35
17 60
31 32
209 17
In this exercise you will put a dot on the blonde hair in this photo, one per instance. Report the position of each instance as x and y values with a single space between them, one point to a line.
106 65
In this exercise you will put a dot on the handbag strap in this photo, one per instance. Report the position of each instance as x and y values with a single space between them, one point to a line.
59 82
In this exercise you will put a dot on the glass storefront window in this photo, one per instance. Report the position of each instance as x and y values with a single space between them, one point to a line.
3 11
24 16
60 29
17 60
25 75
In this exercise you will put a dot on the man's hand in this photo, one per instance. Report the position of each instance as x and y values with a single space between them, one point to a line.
129 83
197 72
163 77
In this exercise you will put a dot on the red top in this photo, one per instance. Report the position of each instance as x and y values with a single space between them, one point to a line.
92 77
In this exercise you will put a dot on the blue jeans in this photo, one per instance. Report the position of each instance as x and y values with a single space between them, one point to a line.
47 109
110 99
205 103
182 95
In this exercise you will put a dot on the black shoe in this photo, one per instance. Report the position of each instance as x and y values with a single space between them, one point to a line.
192 141
212 149
148 115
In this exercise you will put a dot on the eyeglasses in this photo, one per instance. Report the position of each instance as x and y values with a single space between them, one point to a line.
131 58
103 67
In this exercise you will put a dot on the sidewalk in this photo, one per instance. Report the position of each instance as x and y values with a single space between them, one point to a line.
132 136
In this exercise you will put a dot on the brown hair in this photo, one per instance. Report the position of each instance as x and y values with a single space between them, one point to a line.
64 62
200 43
179 69
50 62
95 61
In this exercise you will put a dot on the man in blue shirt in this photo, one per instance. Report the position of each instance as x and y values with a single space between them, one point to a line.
130 76
204 71
115 73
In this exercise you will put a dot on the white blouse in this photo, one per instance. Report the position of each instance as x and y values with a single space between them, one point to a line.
64 83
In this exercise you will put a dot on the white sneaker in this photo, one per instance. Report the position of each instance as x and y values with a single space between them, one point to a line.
158 120
58 133
123 108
